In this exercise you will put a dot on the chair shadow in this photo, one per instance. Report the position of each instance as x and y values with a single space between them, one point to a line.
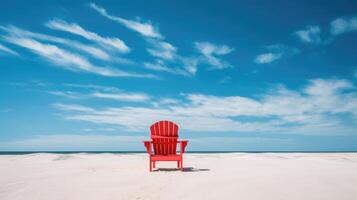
185 169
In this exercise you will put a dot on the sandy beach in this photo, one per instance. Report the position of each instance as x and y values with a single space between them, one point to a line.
206 176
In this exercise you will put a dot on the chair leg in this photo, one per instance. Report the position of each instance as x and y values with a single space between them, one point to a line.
178 164
150 168
154 164
181 167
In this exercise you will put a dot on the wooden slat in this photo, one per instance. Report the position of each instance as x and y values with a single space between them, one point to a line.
163 139
169 146
165 134
175 135
157 133
172 146
154 143
161 124
158 140
162 133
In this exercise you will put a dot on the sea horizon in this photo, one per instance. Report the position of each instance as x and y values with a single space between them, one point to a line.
189 152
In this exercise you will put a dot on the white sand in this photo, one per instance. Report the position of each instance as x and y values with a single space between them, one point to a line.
212 176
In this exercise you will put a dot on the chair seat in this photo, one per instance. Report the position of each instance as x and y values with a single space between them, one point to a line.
174 157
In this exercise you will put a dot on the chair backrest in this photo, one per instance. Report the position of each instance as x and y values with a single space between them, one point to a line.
164 135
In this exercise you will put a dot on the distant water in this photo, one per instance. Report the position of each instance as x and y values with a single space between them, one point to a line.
133 152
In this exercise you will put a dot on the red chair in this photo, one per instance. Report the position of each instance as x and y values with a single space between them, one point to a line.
162 146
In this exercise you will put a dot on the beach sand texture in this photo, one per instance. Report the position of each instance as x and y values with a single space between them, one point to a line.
275 176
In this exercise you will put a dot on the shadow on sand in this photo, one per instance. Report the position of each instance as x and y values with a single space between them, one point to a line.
185 169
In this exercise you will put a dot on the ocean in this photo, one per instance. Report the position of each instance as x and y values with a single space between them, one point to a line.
134 152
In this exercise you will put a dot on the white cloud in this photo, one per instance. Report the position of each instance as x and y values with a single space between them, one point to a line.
68 53
68 60
146 29
167 53
309 35
207 48
123 96
267 58
73 28
8 50
162 49
72 107
157 66
321 87
93 86
190 64
103 92
93 51
211 52
274 53
168 101
343 25
67 94
160 66
169 60
322 107
139 118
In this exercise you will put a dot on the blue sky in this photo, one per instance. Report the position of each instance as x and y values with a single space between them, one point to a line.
249 76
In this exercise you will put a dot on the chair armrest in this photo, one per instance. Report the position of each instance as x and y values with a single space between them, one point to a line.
183 144
147 144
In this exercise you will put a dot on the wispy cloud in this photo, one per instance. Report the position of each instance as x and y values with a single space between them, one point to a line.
146 29
8 50
93 51
267 58
343 25
275 52
211 52
73 28
72 107
166 53
190 64
92 86
68 60
311 34
123 96
162 49
319 108
161 66
90 91
67 94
